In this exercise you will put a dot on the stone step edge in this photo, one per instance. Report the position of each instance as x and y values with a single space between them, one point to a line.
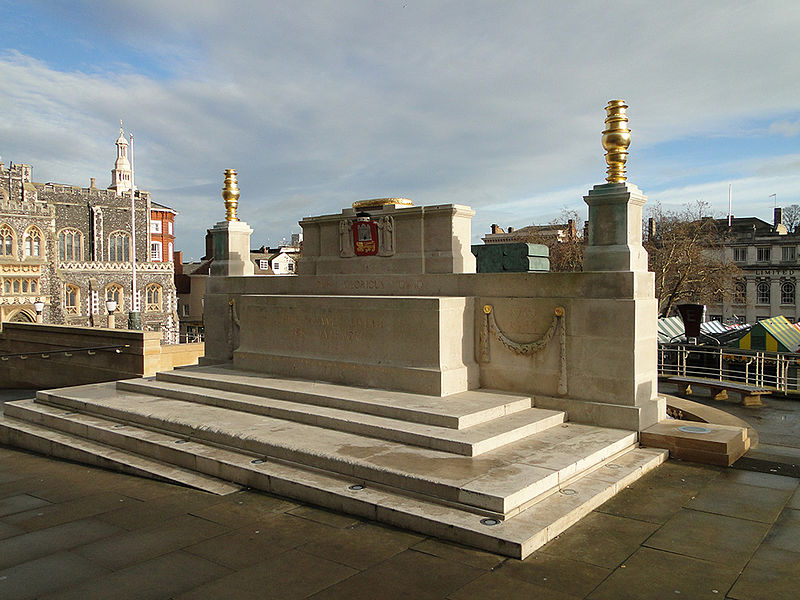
391 478
71 423
185 455
445 440
567 482
270 388
27 435
510 538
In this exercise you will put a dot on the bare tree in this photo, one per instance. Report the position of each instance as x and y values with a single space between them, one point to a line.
567 253
688 259
791 217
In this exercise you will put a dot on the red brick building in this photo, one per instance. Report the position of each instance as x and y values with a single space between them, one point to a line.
162 232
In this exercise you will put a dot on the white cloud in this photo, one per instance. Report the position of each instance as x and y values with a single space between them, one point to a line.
318 104
785 128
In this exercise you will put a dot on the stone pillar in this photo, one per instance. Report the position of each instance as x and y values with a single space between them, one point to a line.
231 237
750 300
615 228
774 297
615 245
231 241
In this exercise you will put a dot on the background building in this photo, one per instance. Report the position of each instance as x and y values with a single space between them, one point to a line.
767 256
70 248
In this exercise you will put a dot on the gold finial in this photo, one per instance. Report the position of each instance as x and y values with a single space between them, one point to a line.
381 202
616 139
230 193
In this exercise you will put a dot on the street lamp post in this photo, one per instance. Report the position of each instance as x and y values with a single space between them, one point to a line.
38 306
111 307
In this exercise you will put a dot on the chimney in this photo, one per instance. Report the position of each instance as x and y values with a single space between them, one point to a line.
778 216
177 260
91 183
510 230
495 228
651 228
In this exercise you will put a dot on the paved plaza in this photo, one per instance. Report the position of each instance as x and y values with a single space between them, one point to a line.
688 531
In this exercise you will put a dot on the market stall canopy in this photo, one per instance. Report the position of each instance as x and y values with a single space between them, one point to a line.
775 334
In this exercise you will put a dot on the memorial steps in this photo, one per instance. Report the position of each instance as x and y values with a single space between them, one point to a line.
440 466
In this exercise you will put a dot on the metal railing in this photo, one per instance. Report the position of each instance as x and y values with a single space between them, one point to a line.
90 350
775 370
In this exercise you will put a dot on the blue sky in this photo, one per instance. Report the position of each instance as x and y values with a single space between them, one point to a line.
497 105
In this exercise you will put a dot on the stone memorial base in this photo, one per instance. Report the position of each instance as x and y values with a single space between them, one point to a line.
406 343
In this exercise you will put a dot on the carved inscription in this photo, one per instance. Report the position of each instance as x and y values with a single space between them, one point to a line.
362 284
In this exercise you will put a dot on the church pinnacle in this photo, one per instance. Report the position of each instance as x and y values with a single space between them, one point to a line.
121 173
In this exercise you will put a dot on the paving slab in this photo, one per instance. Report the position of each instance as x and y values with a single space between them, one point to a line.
256 542
458 553
72 510
407 575
620 537
766 480
123 550
499 584
244 508
360 546
155 579
160 509
557 573
659 494
785 533
772 573
34 578
326 517
794 502
20 503
287 576
36 544
711 537
740 501
655 575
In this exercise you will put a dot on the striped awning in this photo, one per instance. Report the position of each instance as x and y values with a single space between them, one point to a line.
670 329
775 334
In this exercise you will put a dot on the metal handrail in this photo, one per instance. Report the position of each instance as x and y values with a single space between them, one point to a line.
90 350
775 370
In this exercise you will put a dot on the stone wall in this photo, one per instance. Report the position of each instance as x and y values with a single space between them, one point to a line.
65 366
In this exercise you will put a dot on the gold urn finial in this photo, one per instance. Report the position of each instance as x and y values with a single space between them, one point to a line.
616 139
230 193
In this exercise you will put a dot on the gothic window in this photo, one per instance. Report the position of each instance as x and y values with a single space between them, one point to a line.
72 298
119 247
6 240
33 242
34 285
70 245
6 287
114 292
762 293
787 293
153 292
740 293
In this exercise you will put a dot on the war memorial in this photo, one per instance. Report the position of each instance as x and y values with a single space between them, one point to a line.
390 381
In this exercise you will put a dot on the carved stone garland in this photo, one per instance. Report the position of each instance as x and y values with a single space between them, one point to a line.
527 348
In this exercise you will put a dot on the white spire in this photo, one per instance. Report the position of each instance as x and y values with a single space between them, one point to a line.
121 173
